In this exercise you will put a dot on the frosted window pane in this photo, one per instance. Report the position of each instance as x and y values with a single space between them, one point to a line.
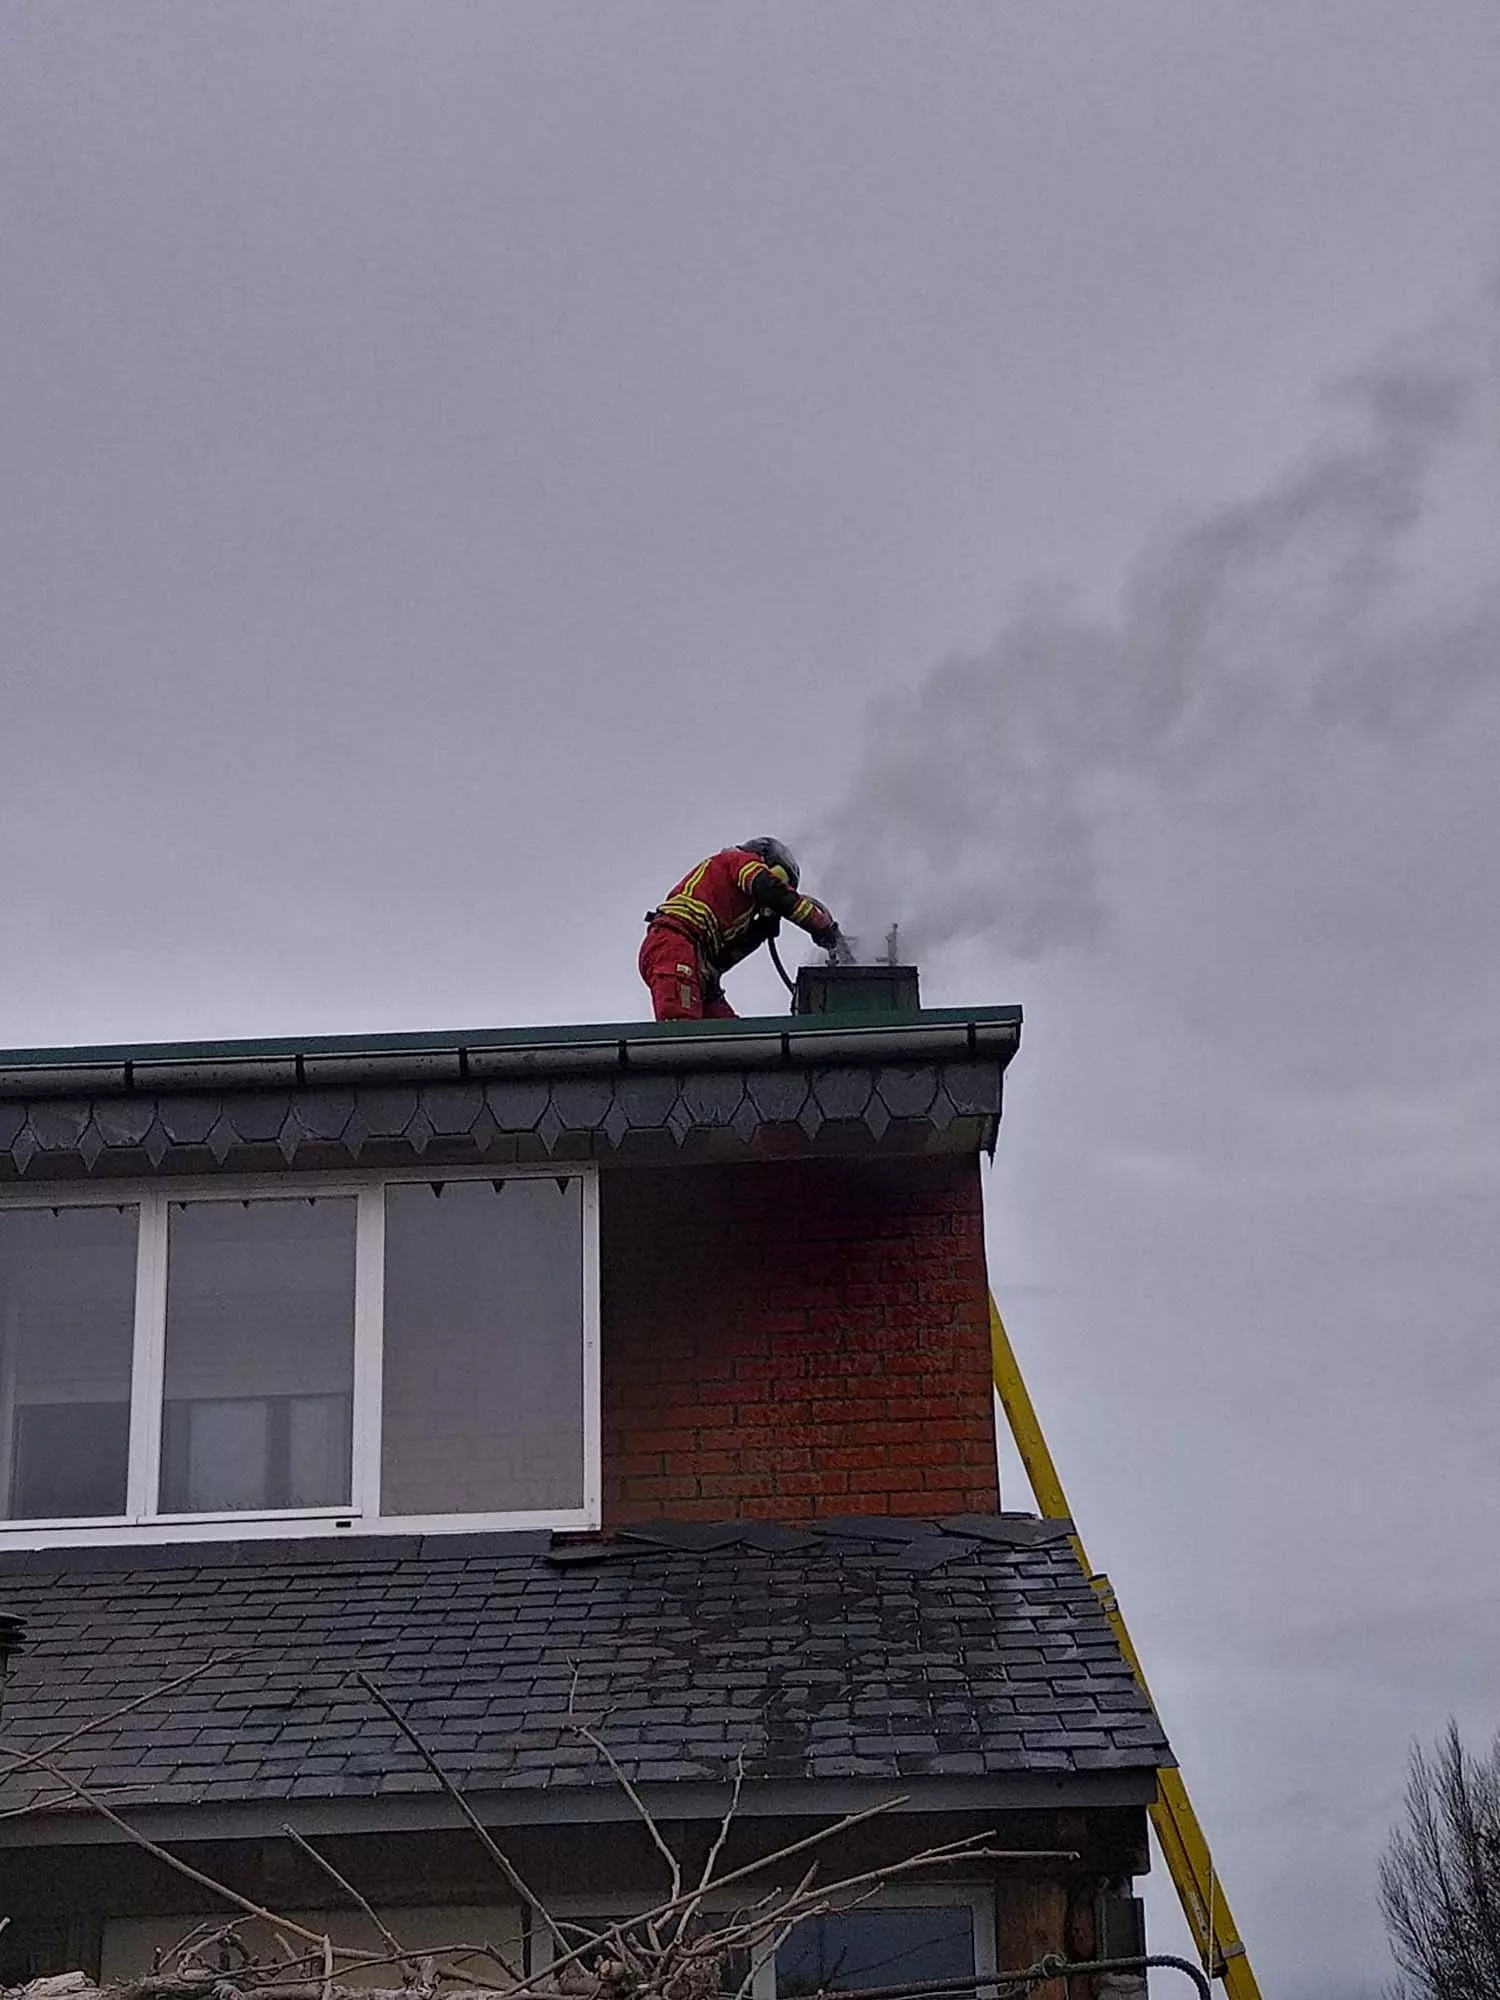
260 1355
224 1448
483 1399
67 1316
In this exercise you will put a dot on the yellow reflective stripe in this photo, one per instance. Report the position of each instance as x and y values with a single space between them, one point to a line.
806 908
682 903
698 916
754 866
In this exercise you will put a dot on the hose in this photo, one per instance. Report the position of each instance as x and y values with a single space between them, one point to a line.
788 983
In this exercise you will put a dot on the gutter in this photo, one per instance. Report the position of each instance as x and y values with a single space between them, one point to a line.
779 1042
430 1810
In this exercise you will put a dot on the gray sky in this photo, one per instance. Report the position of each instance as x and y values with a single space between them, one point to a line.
463 461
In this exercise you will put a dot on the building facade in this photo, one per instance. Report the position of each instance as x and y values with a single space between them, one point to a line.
537 1390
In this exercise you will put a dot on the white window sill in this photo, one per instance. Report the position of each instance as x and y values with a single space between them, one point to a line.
330 1523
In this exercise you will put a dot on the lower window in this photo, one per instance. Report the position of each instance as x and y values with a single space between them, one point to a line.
132 1947
896 1941
852 1949
879 1946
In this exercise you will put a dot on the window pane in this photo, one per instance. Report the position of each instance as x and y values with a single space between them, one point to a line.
260 1355
317 1449
67 1318
838 1954
483 1399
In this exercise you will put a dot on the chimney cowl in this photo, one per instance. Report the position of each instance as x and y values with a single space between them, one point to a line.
857 989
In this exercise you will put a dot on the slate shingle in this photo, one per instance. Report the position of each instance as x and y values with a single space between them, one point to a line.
809 1651
205 1117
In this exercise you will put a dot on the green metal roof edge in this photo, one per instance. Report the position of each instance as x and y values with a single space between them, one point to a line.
581 1035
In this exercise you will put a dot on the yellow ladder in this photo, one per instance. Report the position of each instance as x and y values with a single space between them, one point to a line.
1183 1845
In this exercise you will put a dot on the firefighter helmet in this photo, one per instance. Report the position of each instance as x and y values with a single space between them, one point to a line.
776 855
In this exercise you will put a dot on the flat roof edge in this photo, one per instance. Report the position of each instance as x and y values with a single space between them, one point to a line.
764 1041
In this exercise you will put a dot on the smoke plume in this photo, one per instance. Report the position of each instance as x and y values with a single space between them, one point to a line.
1357 593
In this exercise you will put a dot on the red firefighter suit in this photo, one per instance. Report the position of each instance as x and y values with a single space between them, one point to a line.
718 914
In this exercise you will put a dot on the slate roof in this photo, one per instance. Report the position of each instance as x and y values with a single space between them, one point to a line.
638 1091
890 1650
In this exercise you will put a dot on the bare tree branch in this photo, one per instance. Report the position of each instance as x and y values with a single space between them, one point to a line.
496 1854
675 1950
614 1936
391 1942
617 1772
49 1801
726 1940
351 1960
21 1760
724 1825
171 1860
1440 1875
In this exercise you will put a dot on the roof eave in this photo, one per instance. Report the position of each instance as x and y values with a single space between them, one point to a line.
771 1041
585 1805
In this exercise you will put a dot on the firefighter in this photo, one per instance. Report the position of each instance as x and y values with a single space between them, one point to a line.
719 913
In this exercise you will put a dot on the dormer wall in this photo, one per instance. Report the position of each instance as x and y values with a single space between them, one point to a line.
796 1340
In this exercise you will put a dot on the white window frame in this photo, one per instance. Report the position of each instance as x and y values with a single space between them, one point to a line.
141 1522
544 1944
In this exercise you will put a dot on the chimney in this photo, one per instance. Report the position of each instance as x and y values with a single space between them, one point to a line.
857 989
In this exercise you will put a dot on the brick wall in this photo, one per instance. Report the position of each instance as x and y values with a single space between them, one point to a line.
796 1339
